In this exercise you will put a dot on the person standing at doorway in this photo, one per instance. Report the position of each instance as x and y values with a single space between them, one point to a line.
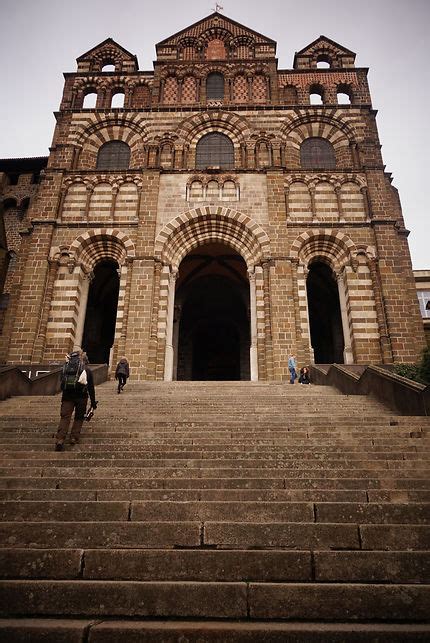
122 373
292 366
77 384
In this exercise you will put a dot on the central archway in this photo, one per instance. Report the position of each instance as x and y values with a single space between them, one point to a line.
100 318
324 314
211 326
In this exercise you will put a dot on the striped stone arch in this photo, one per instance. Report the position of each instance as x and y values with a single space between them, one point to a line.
332 125
336 248
102 243
193 128
211 224
128 129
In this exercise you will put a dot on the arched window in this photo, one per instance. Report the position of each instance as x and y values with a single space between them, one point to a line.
215 150
90 100
108 67
344 95
118 99
317 153
316 95
323 62
215 86
114 155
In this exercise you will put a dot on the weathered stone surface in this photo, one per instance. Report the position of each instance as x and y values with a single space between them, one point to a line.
369 566
219 511
330 602
91 598
63 511
203 565
44 630
289 535
373 512
241 632
395 537
40 563
99 534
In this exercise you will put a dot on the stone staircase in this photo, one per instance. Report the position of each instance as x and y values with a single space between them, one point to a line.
232 511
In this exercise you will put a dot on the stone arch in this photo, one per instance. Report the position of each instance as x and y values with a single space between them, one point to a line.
328 125
234 126
126 128
336 248
104 130
203 225
101 243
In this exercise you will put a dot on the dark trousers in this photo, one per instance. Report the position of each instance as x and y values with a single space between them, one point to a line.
122 380
79 406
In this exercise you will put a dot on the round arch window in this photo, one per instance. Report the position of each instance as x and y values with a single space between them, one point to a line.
215 150
114 155
317 153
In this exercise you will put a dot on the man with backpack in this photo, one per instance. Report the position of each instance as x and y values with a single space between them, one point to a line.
77 384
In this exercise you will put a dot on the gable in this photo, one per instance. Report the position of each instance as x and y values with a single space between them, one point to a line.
215 27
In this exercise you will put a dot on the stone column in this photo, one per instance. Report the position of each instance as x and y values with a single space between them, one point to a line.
386 350
339 204
153 341
348 356
123 336
253 355
39 344
268 340
313 208
85 287
168 359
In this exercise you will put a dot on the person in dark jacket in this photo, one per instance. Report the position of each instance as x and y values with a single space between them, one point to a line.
75 400
122 373
304 377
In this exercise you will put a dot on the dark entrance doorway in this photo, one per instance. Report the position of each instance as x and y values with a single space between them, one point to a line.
212 316
100 318
324 314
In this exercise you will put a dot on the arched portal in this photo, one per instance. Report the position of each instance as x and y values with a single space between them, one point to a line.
99 328
211 327
325 318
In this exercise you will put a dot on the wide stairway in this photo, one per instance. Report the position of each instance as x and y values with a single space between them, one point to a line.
231 511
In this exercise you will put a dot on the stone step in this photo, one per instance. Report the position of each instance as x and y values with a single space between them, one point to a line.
125 483
206 510
76 630
407 603
216 565
224 535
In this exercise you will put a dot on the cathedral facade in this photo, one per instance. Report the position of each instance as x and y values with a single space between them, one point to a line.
210 217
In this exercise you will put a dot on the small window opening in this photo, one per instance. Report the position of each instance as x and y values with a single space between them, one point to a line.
118 100
108 67
323 62
90 100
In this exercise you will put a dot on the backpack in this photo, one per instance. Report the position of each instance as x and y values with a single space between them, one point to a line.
72 374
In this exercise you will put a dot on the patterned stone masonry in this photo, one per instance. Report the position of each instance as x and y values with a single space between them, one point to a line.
286 212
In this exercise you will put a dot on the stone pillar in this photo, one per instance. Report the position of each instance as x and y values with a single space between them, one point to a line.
120 348
168 358
153 337
268 340
339 204
253 355
386 350
39 344
348 356
80 322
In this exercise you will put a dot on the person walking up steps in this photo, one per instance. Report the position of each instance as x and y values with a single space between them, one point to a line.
76 383
292 366
122 373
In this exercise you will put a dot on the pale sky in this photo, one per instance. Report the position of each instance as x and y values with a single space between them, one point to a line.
41 39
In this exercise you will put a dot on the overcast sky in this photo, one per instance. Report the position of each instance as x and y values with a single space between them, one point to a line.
41 39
